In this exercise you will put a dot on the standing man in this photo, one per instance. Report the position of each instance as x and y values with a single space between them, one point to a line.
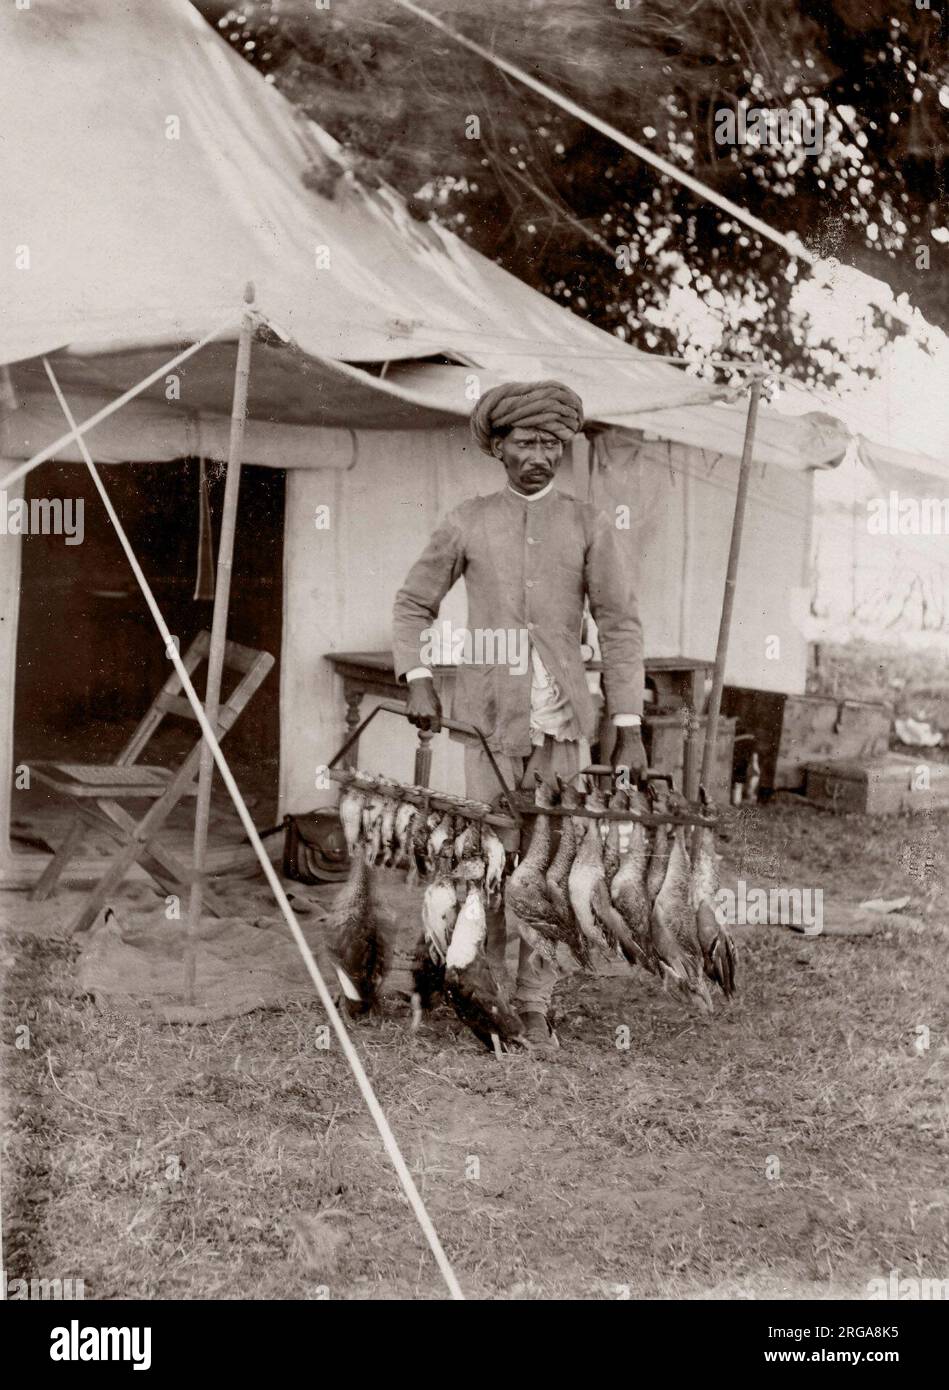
530 555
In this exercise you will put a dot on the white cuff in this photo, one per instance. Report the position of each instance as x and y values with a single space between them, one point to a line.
627 721
418 673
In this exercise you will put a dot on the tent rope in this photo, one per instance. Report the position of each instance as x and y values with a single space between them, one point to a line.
77 430
349 1050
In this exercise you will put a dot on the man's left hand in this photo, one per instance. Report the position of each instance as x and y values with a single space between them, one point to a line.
629 753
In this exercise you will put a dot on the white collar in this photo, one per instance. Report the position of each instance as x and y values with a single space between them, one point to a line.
534 496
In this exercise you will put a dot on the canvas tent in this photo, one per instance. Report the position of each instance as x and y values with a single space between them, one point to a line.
880 545
164 175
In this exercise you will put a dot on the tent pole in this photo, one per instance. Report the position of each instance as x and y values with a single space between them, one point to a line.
728 599
222 594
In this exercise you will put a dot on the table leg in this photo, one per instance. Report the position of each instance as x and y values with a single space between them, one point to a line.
353 703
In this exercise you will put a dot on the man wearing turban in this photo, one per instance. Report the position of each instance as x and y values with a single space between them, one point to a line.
531 556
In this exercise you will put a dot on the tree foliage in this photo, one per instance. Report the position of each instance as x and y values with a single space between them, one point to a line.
566 210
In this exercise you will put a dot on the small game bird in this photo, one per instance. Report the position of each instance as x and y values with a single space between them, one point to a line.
673 927
611 848
470 983
719 953
403 834
628 891
598 919
351 805
372 813
528 905
390 811
495 859
360 942
439 911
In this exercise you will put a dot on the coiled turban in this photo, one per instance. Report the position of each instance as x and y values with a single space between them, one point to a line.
545 405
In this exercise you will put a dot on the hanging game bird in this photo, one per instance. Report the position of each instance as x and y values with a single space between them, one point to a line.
444 829
673 925
558 871
611 850
628 891
470 865
403 834
390 811
351 805
546 926
470 983
360 942
495 859
589 895
719 953
372 814
439 911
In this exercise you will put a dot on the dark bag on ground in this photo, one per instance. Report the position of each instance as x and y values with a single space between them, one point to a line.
314 847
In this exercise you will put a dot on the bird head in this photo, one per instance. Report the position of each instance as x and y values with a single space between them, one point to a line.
544 794
569 795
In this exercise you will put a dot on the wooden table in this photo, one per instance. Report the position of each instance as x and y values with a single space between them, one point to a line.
678 683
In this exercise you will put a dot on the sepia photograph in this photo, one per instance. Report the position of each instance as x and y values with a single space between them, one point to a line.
474 666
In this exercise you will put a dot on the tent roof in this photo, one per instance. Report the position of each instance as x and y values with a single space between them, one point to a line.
893 466
138 242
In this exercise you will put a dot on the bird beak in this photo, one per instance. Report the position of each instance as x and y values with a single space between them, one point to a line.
347 986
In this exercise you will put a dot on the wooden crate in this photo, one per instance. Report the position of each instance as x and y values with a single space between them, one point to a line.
879 786
791 731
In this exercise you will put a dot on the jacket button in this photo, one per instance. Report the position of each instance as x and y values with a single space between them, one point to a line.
531 541
530 583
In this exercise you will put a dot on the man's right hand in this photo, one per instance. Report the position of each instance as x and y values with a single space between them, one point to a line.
423 707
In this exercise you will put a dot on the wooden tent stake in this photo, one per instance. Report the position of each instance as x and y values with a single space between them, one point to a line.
222 594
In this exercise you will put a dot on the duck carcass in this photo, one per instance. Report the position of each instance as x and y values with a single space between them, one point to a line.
470 866
719 953
611 848
628 891
528 905
390 811
444 829
673 927
470 983
439 911
372 825
495 859
360 941
351 805
558 876
403 833
589 895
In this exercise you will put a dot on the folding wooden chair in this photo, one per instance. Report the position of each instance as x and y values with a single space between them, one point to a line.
98 789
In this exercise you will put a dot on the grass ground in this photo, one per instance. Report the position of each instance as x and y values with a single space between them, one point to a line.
793 1146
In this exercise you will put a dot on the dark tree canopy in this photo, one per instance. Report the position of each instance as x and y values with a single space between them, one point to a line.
566 210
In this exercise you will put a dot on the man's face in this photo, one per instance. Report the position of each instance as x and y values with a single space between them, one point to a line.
530 456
